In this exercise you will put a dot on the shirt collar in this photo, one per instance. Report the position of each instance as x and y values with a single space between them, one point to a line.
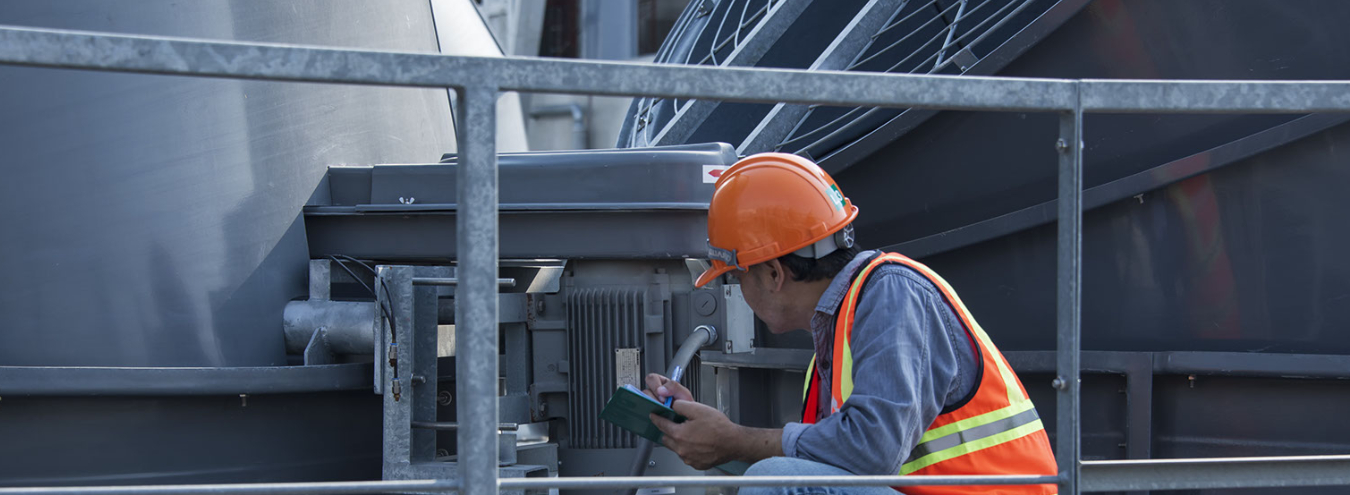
834 294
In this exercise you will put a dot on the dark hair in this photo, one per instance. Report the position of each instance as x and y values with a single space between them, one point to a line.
809 270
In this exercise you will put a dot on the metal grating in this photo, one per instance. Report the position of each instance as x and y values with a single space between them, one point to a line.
922 37
728 26
948 37
598 322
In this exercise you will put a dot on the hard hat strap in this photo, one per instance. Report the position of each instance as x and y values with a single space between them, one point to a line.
726 256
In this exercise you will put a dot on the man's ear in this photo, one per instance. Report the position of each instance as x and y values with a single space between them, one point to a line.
777 275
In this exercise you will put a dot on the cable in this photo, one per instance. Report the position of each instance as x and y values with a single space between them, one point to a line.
383 286
383 304
359 262
353 274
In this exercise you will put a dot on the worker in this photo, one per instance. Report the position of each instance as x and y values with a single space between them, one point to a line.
904 381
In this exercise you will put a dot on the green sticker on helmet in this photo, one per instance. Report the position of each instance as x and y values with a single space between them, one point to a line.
836 197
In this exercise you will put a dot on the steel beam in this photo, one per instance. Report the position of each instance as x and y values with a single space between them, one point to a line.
425 338
1139 409
1141 182
98 381
763 358
1244 364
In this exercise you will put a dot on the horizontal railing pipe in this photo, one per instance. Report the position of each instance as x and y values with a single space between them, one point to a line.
1213 473
184 56
306 488
1138 96
711 481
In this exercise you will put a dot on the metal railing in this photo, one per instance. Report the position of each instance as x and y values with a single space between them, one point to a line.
478 82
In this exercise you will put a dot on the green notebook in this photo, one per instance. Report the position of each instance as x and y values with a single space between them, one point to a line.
629 409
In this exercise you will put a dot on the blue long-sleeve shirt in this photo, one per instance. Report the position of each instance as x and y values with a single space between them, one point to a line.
911 359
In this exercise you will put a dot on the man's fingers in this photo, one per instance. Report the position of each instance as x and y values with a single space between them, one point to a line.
686 408
693 410
655 380
663 424
654 383
668 429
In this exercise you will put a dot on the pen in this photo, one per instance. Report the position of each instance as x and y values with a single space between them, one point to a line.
674 377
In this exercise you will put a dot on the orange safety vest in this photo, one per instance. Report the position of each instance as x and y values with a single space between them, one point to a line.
996 432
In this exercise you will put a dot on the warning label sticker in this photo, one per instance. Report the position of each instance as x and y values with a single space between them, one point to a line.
712 172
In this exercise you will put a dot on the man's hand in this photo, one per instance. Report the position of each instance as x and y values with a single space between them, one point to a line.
705 439
660 387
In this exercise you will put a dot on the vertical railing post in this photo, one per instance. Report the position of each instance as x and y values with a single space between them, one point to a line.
394 290
1068 293
476 295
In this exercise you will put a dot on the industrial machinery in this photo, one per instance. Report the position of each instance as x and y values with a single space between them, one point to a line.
242 281
599 252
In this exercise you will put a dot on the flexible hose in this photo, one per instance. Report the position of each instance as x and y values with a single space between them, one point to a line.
703 335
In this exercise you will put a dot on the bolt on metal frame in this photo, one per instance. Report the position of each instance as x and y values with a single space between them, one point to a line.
478 82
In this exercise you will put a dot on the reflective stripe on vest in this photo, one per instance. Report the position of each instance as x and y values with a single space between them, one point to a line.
983 431
998 415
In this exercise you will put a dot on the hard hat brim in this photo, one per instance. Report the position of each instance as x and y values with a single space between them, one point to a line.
716 270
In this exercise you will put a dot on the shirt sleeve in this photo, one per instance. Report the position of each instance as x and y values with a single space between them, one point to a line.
905 367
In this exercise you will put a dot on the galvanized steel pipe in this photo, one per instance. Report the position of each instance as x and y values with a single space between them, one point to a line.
1069 296
349 326
711 481
476 299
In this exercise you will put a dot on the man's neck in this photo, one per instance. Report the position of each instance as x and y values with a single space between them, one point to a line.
805 296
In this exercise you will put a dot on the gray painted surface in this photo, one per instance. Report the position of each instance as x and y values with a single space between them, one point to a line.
1244 259
154 440
1012 168
646 203
157 219
608 30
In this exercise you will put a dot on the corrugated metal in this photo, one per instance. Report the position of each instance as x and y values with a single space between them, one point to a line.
598 322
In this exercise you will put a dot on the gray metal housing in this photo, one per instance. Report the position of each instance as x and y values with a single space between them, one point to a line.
156 220
155 234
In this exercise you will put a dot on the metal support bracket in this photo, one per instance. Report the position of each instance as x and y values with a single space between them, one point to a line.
318 351
740 327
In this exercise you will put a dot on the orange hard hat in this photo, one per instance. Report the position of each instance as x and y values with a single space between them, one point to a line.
771 204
